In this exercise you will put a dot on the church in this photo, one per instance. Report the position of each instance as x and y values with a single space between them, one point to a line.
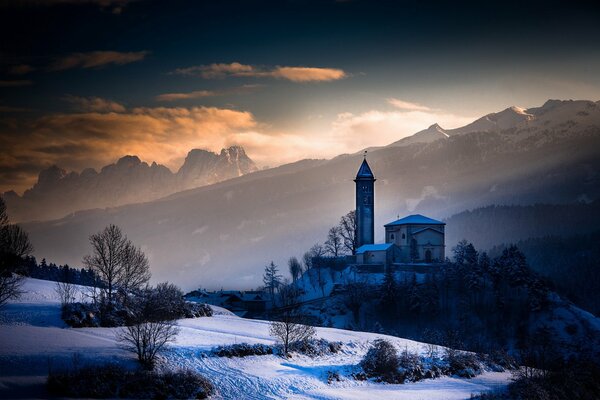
412 240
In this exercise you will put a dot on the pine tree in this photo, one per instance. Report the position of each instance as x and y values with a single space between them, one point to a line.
272 279
389 293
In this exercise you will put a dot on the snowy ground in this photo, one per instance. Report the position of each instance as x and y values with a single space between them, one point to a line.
34 339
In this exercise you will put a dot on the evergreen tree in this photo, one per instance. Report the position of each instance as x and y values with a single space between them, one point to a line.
272 279
389 293
295 268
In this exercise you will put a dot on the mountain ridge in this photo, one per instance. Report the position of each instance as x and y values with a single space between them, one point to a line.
128 180
231 229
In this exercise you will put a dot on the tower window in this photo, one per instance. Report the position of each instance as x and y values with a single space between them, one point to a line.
392 236
403 236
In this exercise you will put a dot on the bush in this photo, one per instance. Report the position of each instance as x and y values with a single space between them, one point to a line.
315 347
462 364
242 350
80 315
411 366
382 362
333 376
113 381
197 310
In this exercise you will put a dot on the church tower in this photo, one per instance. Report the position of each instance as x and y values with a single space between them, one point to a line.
365 205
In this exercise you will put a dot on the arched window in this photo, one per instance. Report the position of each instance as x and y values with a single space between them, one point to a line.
392 236
403 236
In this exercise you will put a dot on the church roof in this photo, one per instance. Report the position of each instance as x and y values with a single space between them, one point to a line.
373 247
416 219
364 171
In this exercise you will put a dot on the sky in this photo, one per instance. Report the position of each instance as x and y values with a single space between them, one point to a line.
84 82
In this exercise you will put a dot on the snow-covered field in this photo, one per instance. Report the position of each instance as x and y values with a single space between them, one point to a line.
33 339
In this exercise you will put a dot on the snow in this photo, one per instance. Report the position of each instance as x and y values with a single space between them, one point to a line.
32 339
416 219
373 247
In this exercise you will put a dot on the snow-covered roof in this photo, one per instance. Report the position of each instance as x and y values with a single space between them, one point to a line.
427 229
416 219
373 247
364 171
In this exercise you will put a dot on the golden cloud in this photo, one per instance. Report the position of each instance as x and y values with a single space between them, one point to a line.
96 59
406 105
236 69
306 74
93 139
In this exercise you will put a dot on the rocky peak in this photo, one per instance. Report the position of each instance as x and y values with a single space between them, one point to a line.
51 175
128 161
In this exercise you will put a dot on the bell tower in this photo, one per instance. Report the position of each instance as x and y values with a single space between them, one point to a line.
365 204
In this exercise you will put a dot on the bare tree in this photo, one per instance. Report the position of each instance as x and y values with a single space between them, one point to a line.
147 339
66 292
3 213
119 263
135 268
15 241
348 231
291 326
316 254
10 287
295 268
14 245
335 242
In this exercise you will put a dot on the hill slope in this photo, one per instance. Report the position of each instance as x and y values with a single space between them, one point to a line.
28 344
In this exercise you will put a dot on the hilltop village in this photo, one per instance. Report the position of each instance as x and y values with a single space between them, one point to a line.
414 244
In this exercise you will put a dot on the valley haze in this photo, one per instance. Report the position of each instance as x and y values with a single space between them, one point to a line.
229 230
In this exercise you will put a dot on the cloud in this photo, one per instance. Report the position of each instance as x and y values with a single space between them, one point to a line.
378 128
8 109
94 104
405 105
165 135
184 96
197 94
116 6
96 59
236 69
21 69
305 74
16 83
93 139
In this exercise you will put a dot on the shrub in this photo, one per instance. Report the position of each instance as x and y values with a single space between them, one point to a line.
333 376
147 339
315 347
80 315
113 381
242 350
411 366
197 310
462 364
382 362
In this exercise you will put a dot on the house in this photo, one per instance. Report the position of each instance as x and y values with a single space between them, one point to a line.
419 239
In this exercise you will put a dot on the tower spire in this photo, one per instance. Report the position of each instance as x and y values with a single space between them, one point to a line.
365 204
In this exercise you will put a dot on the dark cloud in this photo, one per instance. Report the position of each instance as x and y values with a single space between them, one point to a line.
15 83
96 59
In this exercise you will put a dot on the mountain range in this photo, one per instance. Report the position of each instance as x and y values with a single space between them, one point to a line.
58 192
223 234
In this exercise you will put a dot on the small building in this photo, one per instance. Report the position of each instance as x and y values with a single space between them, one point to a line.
419 239
381 254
